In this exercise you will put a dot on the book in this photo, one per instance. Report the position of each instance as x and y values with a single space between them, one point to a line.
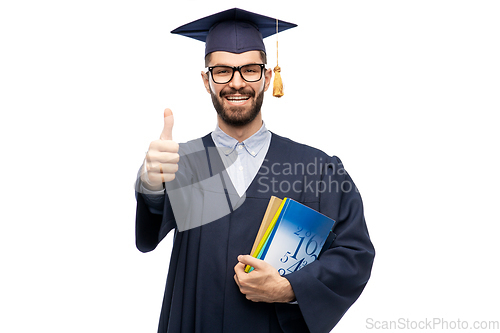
266 228
272 208
295 237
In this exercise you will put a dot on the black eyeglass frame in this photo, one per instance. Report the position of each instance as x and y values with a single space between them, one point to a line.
237 69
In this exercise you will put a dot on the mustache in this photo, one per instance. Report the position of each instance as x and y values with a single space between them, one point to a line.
232 91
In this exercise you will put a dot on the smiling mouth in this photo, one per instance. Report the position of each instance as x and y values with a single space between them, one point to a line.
237 99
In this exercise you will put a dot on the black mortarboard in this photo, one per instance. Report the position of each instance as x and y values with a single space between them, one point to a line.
233 30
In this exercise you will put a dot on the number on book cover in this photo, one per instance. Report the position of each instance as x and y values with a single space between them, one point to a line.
310 248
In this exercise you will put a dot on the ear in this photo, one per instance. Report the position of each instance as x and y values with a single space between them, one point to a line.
206 81
268 76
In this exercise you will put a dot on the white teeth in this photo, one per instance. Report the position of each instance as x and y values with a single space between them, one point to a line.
237 98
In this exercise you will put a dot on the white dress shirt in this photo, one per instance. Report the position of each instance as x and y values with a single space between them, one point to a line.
248 155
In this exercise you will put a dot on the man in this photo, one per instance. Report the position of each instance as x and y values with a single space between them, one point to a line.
217 190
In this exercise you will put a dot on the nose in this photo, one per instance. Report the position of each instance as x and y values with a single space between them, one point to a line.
237 82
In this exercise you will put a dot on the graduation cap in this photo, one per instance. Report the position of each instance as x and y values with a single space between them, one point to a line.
236 31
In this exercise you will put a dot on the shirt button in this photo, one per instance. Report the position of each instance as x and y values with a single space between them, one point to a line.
240 146
241 168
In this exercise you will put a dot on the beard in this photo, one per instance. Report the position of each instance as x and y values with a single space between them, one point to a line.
236 115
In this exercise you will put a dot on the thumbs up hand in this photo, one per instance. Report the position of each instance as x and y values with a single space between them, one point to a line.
161 160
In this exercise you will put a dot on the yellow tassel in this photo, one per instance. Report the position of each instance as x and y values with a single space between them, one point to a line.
277 83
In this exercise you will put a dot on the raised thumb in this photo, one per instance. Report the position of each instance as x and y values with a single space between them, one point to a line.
168 119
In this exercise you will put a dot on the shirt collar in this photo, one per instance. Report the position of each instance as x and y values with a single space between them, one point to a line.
253 145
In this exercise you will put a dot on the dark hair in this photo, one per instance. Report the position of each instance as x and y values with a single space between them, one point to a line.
262 56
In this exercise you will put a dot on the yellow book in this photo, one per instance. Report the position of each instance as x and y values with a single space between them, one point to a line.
272 208
270 222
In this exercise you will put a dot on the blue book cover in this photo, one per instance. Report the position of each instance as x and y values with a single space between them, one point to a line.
297 238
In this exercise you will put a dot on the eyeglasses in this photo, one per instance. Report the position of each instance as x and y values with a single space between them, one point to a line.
249 73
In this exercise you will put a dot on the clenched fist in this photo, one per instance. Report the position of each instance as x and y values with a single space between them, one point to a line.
160 164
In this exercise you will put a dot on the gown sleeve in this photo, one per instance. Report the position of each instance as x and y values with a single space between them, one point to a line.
152 225
326 288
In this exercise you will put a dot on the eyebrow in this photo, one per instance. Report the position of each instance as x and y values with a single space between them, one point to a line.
226 65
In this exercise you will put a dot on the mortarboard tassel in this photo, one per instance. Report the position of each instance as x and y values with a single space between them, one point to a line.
277 83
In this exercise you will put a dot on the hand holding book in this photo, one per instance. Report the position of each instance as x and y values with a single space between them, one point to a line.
264 284
291 235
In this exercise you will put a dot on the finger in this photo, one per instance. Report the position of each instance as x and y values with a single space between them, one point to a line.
158 178
168 124
162 157
239 271
251 261
164 168
237 280
163 146
239 268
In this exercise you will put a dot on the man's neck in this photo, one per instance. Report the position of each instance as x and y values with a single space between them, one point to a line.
241 133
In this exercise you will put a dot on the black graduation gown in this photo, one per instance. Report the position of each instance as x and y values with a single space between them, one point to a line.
201 294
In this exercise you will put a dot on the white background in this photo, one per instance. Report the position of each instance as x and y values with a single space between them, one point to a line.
406 93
